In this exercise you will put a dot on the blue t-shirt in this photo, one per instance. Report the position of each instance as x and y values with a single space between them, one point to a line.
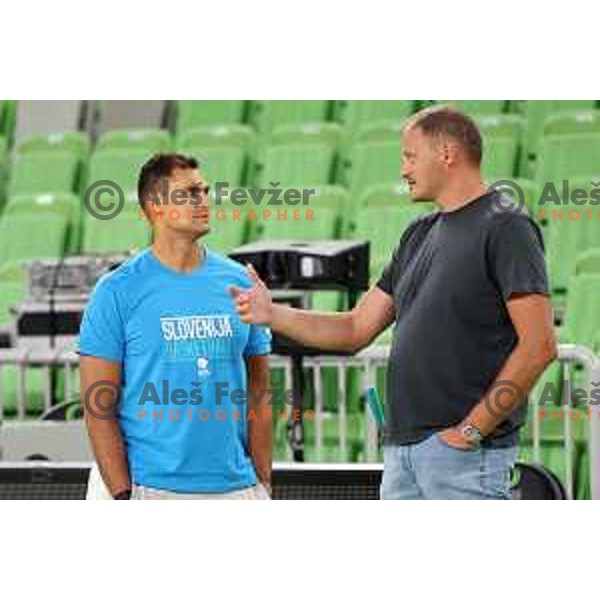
182 348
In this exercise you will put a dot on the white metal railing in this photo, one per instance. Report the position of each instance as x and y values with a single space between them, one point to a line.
366 362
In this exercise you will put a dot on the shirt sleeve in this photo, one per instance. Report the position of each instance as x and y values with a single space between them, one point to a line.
102 331
259 341
517 258
386 280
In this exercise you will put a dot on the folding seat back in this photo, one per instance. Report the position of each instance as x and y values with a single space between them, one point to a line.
25 236
268 114
236 135
354 114
76 143
197 113
150 140
43 173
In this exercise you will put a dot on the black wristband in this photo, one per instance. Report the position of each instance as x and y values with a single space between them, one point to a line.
123 495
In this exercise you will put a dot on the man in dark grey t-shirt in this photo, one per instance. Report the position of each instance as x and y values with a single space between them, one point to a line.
467 290
451 276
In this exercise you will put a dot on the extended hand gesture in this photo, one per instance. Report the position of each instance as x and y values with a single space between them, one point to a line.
254 306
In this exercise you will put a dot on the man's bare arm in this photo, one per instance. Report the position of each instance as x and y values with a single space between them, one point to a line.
260 429
531 315
100 385
351 330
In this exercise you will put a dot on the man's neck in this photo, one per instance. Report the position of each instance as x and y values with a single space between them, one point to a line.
184 255
460 194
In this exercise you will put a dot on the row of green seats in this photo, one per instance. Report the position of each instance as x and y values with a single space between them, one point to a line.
571 245
267 114
319 153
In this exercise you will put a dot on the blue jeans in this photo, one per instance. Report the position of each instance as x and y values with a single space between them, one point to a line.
432 470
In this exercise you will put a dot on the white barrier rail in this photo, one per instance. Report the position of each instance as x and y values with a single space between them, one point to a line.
366 363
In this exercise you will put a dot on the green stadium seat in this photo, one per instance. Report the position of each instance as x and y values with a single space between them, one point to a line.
268 114
126 232
582 318
396 195
500 156
566 156
478 107
229 226
226 235
355 114
329 196
565 240
536 112
551 197
501 143
68 205
225 164
76 143
19 238
286 165
150 140
383 226
531 195
330 134
241 136
327 204
588 261
299 140
571 123
372 163
322 227
197 113
379 131
44 173
121 166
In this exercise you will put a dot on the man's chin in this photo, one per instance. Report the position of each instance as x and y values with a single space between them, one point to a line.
196 229
419 196
203 229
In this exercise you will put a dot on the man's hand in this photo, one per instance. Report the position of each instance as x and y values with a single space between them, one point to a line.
454 438
254 306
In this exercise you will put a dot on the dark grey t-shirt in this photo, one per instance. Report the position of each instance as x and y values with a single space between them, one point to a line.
450 277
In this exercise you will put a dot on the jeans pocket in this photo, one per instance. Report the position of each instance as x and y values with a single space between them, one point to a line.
445 444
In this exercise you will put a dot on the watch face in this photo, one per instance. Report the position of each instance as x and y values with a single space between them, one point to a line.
471 433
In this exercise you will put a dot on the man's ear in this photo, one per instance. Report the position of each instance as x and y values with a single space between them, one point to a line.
450 152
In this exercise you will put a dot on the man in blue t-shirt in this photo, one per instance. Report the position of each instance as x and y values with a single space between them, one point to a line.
174 384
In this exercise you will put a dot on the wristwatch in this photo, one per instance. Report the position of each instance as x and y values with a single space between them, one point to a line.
123 495
472 435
